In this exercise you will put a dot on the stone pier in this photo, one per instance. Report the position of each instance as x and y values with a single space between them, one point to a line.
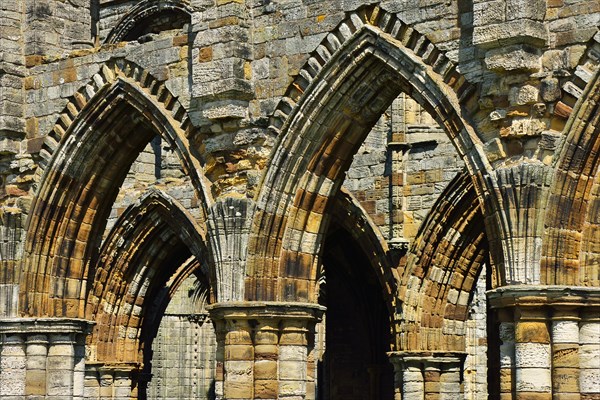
43 357
427 375
551 346
262 349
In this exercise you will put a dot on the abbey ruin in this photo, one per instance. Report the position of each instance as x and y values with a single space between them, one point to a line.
300 199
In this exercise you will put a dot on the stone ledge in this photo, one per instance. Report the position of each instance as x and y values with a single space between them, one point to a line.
122 367
540 295
45 325
521 31
267 309
427 356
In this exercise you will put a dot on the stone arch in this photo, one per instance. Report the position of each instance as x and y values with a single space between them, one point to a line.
349 81
572 198
144 10
154 246
441 272
574 87
86 157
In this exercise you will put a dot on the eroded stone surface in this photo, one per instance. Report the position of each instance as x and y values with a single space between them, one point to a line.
143 143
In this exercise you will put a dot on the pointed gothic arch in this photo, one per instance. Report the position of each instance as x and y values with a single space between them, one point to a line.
154 246
347 84
87 155
570 228
441 272
347 212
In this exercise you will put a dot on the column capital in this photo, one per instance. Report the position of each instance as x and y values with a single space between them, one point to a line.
115 367
242 310
544 295
426 357
45 326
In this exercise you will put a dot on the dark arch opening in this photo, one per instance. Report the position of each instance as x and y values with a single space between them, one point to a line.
166 20
354 364
154 247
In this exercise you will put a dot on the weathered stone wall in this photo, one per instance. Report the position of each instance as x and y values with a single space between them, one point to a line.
401 168
54 28
476 362
183 352
13 161
260 112
156 167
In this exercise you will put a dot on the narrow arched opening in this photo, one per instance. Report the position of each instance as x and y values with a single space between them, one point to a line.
148 301
353 362
165 21
149 18
80 189
179 343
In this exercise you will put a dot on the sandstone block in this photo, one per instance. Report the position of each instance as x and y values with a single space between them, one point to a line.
265 369
565 380
513 58
589 380
292 370
565 355
534 380
534 332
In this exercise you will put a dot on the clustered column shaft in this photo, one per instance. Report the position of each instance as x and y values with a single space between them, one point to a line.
565 354
532 354
13 362
42 357
554 352
589 360
507 357
263 350
427 376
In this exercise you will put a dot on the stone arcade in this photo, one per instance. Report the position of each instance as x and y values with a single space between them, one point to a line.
299 199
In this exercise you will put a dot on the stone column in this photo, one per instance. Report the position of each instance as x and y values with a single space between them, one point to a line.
311 373
507 355
589 347
60 365
533 362
118 381
79 368
556 353
43 357
266 383
263 349
412 380
427 375
293 358
432 381
219 358
13 364
565 353
238 364
37 354
92 383
451 383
